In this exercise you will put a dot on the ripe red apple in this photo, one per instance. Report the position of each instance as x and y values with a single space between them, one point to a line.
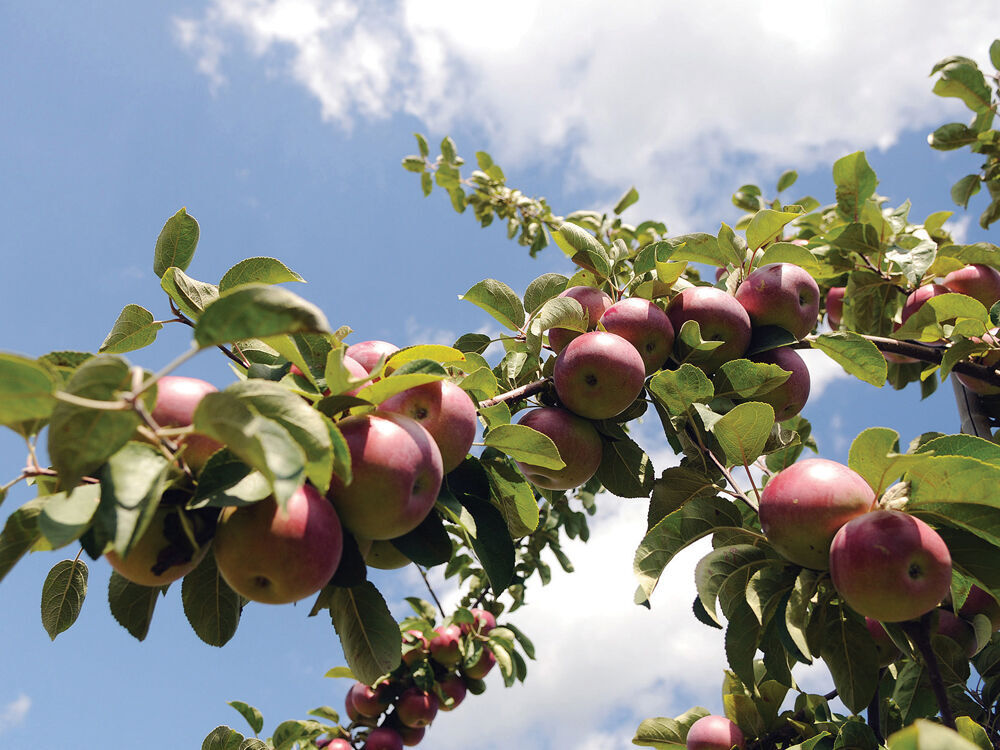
990 359
337 743
446 411
781 294
484 621
977 281
446 646
411 736
598 375
579 446
978 602
416 647
354 369
482 666
383 738
887 650
890 566
643 325
714 733
454 689
914 301
803 506
720 317
594 303
142 558
416 708
789 397
278 557
368 353
835 306
951 626
368 701
396 468
176 399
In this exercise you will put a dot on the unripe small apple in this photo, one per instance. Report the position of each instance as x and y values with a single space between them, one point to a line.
416 708
978 281
598 375
383 738
835 306
483 665
454 689
594 303
446 646
781 294
714 733
645 326
579 445
720 318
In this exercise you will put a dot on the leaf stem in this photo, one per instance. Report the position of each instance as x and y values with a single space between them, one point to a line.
427 583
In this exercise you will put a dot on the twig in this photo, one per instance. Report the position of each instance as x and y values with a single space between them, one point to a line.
920 632
518 393
427 582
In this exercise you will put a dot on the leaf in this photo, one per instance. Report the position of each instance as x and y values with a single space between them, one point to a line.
253 716
522 443
928 735
223 738
26 389
508 489
869 455
786 252
589 253
190 295
211 607
428 544
964 81
257 271
678 389
951 136
368 633
625 469
787 179
729 568
67 515
856 354
667 734
699 247
741 639
746 379
340 672
20 532
856 182
176 243
626 200
851 655
132 605
63 593
134 329
499 300
491 541
385 388
257 311
767 225
964 189
132 481
925 323
676 486
743 432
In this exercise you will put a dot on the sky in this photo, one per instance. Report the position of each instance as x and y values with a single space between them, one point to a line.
280 125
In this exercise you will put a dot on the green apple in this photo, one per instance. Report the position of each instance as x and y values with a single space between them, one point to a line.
154 550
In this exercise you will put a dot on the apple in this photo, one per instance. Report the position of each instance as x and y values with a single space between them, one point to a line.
954 627
789 397
382 554
368 701
383 738
138 565
914 301
781 294
578 442
720 317
598 375
416 647
278 557
803 506
887 650
416 708
411 736
446 646
977 281
978 602
446 411
368 353
645 326
338 744
482 666
594 303
714 733
354 369
835 306
484 621
397 473
454 690
176 399
990 359
890 566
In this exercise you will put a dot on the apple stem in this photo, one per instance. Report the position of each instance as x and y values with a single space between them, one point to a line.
920 632
427 582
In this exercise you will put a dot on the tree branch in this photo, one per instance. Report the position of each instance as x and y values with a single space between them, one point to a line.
518 393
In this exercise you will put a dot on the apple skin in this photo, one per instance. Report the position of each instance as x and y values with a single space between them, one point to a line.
482 667
890 566
803 506
781 294
578 442
887 650
790 397
416 647
951 626
835 306
594 303
446 646
397 473
914 301
276 557
367 701
384 556
411 736
714 733
452 687
176 399
446 411
720 317
484 621
383 738
598 375
416 708
978 602
137 567
645 326
337 744
990 359
354 369
368 353
977 281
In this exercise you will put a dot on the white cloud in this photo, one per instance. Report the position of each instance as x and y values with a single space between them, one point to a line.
676 97
822 372
13 714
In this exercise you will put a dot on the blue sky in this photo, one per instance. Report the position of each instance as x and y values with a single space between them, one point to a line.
280 124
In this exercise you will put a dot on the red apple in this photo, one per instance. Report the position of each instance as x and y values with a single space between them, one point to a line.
914 301
951 626
176 399
714 733
803 506
396 468
720 317
594 303
990 359
446 411
978 602
383 738
977 281
277 557
484 621
337 744
354 369
416 647
835 306
781 294
368 353
368 701
579 446
454 690
598 375
411 736
789 397
145 553
890 566
416 708
643 325
887 650
446 646
482 666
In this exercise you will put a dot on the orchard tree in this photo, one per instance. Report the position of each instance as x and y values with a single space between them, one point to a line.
323 460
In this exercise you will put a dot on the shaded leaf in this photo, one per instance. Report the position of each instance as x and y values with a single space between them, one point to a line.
132 605
212 608
190 295
176 243
856 354
134 329
257 311
257 271
63 593
368 633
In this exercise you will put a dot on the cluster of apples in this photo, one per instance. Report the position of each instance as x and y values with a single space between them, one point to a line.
396 711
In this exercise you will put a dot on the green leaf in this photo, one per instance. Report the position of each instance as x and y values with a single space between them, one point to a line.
434 352
963 80
20 532
190 295
428 544
252 715
625 469
626 200
767 225
787 179
385 388
589 252
257 271
866 302
134 329
226 480
728 568
928 735
741 640
700 248
856 354
508 489
257 311
224 738
212 608
870 456
973 732
926 323
368 633
746 379
951 136
963 445
491 541
176 243
422 145
132 605
63 593
678 389
856 182
850 654
132 481
964 189
448 149
786 252
522 443
67 515
667 734
743 432
414 163
340 672
499 300
26 388
674 488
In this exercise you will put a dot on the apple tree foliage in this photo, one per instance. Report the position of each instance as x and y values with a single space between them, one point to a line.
490 530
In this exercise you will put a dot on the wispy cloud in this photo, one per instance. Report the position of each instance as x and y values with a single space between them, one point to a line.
13 714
